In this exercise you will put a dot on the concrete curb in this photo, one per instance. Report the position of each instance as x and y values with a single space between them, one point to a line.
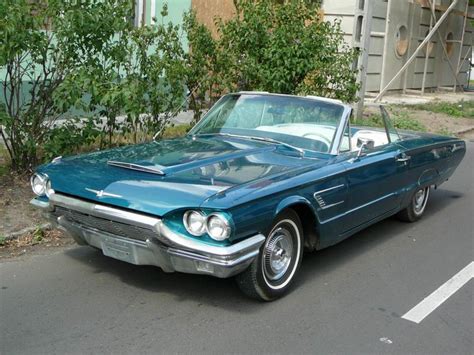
20 233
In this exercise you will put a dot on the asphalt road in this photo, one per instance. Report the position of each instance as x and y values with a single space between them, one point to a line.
348 298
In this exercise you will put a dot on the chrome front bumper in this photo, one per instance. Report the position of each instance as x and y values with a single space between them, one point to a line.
161 246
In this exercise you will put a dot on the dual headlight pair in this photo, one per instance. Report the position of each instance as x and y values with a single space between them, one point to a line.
216 225
41 185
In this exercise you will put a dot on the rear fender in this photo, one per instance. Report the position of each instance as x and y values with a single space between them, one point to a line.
427 178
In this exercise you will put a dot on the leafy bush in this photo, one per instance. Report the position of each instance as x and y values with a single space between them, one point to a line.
286 48
402 120
138 73
70 138
282 47
44 45
203 63
87 56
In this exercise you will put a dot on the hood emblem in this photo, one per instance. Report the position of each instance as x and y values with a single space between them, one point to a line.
102 193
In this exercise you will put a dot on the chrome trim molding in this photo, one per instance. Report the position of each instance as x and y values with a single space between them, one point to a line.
40 204
328 189
336 143
170 251
102 193
322 204
142 168
320 201
332 205
359 207
103 211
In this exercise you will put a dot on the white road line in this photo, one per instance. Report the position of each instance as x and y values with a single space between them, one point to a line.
446 290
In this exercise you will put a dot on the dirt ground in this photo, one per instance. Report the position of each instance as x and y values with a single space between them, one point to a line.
434 122
16 213
34 243
438 122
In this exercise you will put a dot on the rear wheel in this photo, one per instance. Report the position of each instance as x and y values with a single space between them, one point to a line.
414 211
272 272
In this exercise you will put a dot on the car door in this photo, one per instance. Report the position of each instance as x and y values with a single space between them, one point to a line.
376 178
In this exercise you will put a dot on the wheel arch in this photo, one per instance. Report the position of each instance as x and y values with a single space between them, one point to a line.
308 218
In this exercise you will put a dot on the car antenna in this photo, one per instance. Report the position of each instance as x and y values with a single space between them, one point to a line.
157 134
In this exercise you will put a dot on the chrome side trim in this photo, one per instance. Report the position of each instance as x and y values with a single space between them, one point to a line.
328 189
320 200
332 205
359 207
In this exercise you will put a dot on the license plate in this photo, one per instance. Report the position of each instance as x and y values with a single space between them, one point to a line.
118 249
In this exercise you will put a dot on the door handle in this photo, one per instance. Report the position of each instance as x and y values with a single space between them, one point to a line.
403 158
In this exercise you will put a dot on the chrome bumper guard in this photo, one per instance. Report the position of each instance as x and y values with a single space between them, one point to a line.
166 249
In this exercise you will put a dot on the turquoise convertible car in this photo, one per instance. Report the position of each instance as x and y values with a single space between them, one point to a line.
261 178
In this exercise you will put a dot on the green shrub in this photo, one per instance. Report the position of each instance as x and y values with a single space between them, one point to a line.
275 46
70 138
286 47
90 57
39 54
402 120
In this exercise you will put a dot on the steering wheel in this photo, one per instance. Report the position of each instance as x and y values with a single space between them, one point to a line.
320 139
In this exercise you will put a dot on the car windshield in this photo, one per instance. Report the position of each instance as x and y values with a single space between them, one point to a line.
300 122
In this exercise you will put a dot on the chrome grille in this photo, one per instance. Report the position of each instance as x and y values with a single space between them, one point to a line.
105 225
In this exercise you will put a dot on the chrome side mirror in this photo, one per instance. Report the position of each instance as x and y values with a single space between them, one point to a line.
364 144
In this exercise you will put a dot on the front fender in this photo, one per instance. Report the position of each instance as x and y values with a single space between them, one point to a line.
293 200
308 216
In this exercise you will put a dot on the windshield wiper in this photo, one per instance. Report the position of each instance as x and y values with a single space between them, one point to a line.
257 138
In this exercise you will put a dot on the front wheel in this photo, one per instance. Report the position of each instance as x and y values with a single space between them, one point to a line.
414 211
272 272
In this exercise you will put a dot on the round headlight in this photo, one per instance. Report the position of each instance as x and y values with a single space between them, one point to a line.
38 184
195 223
218 227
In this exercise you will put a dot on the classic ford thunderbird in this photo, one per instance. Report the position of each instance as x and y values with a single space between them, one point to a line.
261 178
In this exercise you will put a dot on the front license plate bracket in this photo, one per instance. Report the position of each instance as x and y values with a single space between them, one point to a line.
118 249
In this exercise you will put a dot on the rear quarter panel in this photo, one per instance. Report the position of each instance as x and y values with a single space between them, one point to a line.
433 160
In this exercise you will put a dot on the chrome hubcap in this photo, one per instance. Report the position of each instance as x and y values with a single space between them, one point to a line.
278 253
419 200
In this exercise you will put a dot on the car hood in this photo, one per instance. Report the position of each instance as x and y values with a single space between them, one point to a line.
180 173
